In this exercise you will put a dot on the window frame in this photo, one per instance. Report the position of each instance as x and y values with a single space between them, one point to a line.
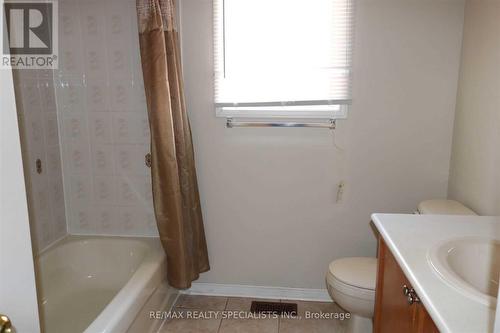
273 109
263 112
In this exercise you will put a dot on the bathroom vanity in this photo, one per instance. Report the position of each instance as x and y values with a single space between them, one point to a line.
397 306
436 273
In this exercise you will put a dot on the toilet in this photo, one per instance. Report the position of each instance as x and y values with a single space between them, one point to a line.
351 281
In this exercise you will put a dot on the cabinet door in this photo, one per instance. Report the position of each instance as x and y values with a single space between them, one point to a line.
392 311
424 324
18 298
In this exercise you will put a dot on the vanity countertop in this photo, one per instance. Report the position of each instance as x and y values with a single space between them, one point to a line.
410 239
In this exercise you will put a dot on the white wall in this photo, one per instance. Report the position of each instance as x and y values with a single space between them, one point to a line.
268 195
475 175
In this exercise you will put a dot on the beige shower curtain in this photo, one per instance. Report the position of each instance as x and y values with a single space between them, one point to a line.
175 188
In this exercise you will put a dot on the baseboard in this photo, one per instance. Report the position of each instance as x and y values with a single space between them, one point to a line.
236 290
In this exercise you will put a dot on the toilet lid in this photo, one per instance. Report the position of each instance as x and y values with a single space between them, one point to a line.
359 272
443 207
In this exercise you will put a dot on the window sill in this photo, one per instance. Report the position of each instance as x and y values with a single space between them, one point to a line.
249 113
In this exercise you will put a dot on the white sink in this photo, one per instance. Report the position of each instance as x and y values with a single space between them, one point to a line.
471 265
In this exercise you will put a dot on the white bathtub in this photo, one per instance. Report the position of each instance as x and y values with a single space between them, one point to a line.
97 284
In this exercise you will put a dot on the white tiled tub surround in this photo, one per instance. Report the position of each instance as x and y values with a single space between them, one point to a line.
103 119
39 131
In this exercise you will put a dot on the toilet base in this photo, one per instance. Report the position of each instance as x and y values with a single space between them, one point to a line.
358 324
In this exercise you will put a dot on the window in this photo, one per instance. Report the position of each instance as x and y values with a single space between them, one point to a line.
283 58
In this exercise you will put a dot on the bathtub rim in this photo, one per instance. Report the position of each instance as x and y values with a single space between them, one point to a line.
76 237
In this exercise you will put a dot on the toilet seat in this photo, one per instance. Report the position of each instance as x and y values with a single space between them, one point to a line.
349 290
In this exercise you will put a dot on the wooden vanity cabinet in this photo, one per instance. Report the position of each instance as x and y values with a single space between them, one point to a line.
397 308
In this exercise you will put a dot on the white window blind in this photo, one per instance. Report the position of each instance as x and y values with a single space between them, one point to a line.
288 58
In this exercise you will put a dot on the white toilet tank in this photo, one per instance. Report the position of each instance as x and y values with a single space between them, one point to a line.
443 207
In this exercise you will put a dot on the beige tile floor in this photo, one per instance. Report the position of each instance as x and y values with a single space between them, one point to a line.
217 324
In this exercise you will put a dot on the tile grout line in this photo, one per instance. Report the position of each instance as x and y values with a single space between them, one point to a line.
279 323
225 308
279 318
